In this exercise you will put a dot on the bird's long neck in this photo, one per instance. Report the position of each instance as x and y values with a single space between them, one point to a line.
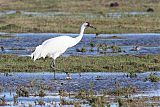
78 38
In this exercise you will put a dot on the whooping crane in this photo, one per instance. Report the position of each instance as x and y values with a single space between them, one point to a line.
54 47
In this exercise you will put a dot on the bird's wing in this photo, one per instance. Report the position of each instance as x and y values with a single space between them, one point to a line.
61 39
55 45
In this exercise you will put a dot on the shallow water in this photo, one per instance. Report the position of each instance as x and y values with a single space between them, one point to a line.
25 43
49 100
105 81
78 82
125 14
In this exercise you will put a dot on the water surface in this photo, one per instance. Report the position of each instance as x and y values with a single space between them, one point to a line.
25 43
99 82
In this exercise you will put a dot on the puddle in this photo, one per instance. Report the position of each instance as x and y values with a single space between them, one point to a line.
124 14
151 93
3 13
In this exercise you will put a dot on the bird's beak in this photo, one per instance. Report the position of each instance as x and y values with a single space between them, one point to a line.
92 27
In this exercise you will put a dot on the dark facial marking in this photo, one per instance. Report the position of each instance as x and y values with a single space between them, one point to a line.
88 24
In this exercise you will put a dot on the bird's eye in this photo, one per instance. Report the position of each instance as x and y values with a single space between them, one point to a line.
88 24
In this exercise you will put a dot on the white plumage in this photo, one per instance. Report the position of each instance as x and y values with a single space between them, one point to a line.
54 47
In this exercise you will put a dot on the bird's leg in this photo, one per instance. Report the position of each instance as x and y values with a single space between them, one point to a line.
53 65
44 60
54 68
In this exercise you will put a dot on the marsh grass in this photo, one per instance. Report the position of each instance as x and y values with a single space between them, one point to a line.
153 77
40 102
122 96
3 101
139 102
124 91
83 49
22 92
78 5
41 93
121 63
66 24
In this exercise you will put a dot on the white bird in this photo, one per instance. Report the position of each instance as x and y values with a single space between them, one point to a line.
54 47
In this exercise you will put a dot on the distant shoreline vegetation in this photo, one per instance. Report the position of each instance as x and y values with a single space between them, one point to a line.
17 23
121 63
63 16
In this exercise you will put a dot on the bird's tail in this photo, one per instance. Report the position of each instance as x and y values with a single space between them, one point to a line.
37 53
